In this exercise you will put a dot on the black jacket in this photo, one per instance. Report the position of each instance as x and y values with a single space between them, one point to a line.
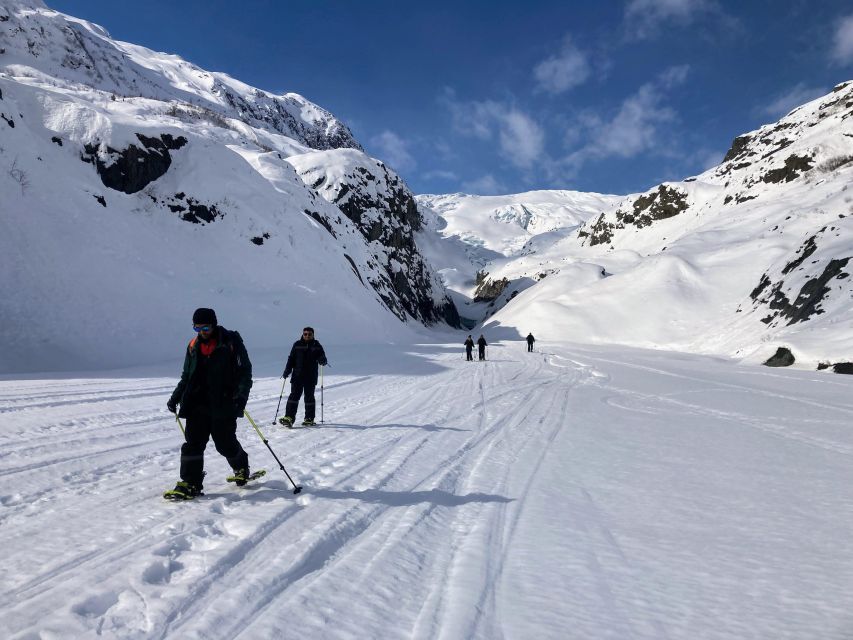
303 361
225 381
530 338
482 342
469 344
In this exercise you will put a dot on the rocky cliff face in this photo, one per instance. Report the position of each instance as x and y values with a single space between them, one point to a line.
383 209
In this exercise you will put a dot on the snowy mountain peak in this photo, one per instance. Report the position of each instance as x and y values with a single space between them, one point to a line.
49 49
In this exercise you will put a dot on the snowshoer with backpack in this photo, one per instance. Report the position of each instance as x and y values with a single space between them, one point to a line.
302 366
212 394
469 346
481 343
530 341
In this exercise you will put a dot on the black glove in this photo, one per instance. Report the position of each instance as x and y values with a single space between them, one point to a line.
239 407
172 406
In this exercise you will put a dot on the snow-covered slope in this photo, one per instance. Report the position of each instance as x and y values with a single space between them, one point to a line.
137 187
745 258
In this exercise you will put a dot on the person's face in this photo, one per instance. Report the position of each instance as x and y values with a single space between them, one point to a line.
204 331
308 336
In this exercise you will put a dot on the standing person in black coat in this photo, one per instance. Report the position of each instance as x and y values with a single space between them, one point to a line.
530 341
469 346
303 361
212 393
481 342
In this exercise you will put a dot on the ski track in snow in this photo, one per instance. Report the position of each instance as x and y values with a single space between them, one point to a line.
559 494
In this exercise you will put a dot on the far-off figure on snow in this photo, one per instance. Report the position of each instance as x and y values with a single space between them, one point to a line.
481 343
469 346
305 356
530 341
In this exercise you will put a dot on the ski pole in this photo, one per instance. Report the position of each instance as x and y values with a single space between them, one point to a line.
296 489
181 426
321 394
280 396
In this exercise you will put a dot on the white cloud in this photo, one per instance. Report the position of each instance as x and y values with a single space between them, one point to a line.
520 138
440 174
393 151
559 73
485 186
634 129
794 97
647 18
842 42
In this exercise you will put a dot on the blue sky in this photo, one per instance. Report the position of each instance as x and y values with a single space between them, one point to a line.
491 97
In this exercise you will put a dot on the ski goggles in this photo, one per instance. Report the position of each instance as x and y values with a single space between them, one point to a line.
203 327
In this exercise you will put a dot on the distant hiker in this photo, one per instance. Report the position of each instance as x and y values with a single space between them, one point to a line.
469 346
302 362
530 341
212 393
481 342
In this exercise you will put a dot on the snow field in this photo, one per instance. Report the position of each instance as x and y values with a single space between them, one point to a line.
574 492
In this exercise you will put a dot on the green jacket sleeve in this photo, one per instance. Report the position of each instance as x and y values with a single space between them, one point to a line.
178 393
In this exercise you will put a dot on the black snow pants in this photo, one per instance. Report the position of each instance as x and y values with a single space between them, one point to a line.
482 353
468 354
297 387
200 427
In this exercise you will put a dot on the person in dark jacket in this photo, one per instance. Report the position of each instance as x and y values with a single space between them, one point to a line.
481 343
469 345
530 341
302 365
212 394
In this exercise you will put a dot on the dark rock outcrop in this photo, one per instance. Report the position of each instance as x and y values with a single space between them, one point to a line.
659 204
132 169
384 211
782 358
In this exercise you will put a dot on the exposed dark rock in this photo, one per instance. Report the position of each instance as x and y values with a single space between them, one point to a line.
489 290
132 169
56 140
258 240
322 220
8 120
808 301
354 268
794 166
738 148
601 231
385 212
762 285
1 94
843 367
199 213
101 199
807 249
782 358
741 198
664 203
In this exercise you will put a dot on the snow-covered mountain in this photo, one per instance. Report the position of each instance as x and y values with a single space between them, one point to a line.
746 258
137 186
469 236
